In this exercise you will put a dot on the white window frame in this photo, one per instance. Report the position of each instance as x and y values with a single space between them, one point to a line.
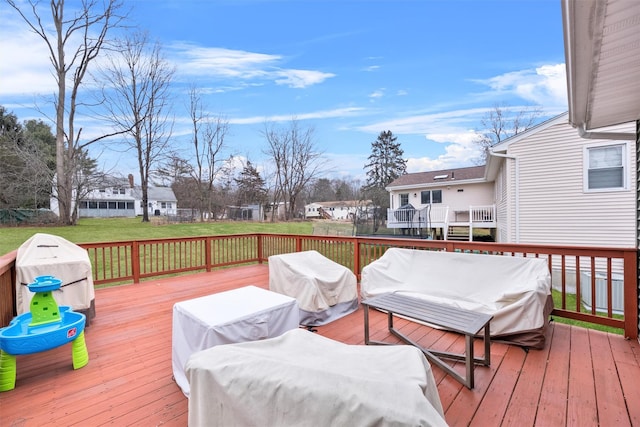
625 167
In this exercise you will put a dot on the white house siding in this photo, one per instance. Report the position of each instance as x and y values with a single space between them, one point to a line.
553 206
472 194
504 205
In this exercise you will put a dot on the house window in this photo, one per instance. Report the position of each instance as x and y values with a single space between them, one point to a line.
163 205
431 196
404 199
122 191
112 205
605 167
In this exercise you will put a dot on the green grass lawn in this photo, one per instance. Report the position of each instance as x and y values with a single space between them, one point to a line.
571 303
89 230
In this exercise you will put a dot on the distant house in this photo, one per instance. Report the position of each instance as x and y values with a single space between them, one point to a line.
336 210
546 185
120 197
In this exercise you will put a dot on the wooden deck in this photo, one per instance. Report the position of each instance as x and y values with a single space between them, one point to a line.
581 378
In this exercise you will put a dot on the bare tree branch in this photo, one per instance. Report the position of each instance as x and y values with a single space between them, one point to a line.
73 46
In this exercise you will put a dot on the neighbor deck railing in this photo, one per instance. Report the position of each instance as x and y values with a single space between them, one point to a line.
136 260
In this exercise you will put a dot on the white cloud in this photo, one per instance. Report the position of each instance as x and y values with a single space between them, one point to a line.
299 79
455 156
545 85
448 122
376 94
25 66
462 138
193 60
323 114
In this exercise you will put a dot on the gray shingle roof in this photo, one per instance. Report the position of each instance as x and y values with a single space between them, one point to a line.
446 175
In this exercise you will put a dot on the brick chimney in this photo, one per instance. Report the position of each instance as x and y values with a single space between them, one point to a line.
131 180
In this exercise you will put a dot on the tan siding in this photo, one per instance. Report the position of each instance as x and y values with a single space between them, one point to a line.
554 208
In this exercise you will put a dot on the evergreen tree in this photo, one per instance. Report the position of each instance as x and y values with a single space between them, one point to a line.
385 164
251 186
385 161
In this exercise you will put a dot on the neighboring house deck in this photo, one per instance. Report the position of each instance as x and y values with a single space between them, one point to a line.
438 201
582 377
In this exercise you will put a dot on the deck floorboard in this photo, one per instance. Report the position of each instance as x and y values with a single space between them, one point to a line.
582 377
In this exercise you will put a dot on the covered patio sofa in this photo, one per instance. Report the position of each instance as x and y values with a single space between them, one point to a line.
516 291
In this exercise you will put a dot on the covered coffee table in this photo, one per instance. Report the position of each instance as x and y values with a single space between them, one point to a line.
245 314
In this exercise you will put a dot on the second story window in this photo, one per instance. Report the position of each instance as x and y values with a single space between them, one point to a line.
404 199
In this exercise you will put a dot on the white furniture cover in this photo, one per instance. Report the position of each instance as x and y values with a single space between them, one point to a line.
303 379
324 289
49 255
515 290
245 314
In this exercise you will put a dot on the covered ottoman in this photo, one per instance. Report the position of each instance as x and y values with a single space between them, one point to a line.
304 379
325 290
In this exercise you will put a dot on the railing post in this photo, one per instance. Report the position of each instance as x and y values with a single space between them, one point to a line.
630 295
208 260
356 257
260 241
135 261
471 219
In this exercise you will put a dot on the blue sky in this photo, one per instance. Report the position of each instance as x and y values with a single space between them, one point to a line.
428 70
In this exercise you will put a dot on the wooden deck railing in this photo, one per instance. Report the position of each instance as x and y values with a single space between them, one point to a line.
135 260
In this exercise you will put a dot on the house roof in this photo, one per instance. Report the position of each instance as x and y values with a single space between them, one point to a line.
602 47
459 176
161 194
340 203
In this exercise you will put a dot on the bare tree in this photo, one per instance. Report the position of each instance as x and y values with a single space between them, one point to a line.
209 149
136 95
73 45
501 123
296 161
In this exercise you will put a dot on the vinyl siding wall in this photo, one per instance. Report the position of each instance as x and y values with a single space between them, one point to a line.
553 206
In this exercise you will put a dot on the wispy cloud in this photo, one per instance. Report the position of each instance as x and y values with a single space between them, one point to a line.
432 123
25 66
376 94
214 62
324 114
